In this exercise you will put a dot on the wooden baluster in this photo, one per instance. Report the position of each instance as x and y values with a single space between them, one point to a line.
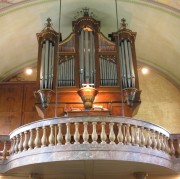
178 147
59 135
154 142
167 145
25 143
103 133
137 140
149 141
10 146
94 133
37 142
158 141
132 135
120 136
14 144
172 150
51 136
111 133
142 138
44 137
85 133
31 142
20 145
76 134
124 133
4 152
68 135
17 143
11 151
128 135
162 143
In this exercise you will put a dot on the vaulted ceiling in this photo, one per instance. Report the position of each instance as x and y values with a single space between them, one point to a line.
157 23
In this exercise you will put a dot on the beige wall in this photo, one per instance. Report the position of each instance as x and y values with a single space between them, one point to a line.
160 101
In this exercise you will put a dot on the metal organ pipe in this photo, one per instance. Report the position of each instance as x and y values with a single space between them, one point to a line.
87 59
42 67
81 55
92 62
47 61
49 65
123 66
127 63
66 72
108 71
73 72
131 65
127 68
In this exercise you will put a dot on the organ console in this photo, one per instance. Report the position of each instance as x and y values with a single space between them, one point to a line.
86 57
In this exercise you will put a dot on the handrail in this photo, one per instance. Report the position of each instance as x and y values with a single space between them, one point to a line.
126 120
91 130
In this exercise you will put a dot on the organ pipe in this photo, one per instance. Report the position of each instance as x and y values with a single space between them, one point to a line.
131 65
108 71
81 52
66 72
127 67
46 70
47 57
87 57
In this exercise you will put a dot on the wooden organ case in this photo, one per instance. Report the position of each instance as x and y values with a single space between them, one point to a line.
87 73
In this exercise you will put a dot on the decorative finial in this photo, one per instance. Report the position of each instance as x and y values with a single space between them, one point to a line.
86 11
123 24
48 24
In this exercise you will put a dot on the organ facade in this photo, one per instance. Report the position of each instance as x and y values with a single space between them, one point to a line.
87 59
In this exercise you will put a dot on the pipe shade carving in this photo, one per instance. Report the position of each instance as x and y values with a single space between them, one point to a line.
87 95
44 96
129 95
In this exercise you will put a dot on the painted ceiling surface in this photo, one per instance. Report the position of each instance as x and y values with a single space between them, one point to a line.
157 23
169 3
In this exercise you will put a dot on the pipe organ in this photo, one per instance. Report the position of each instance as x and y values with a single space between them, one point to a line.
88 58
125 39
47 56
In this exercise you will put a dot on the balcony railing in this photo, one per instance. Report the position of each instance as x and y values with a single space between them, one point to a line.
98 131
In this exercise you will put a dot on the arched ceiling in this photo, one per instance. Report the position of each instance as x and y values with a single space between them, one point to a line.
157 23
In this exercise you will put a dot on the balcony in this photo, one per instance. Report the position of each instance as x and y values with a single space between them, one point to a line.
104 146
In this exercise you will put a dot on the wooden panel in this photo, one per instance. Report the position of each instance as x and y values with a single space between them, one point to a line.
9 121
16 105
29 113
107 97
89 113
116 109
30 117
11 98
29 99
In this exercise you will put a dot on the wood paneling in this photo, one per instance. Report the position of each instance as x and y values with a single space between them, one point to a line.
9 121
16 105
11 98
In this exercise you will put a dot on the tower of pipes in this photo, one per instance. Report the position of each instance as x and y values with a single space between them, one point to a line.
47 56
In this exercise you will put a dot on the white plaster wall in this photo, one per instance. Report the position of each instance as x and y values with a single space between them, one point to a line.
160 101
